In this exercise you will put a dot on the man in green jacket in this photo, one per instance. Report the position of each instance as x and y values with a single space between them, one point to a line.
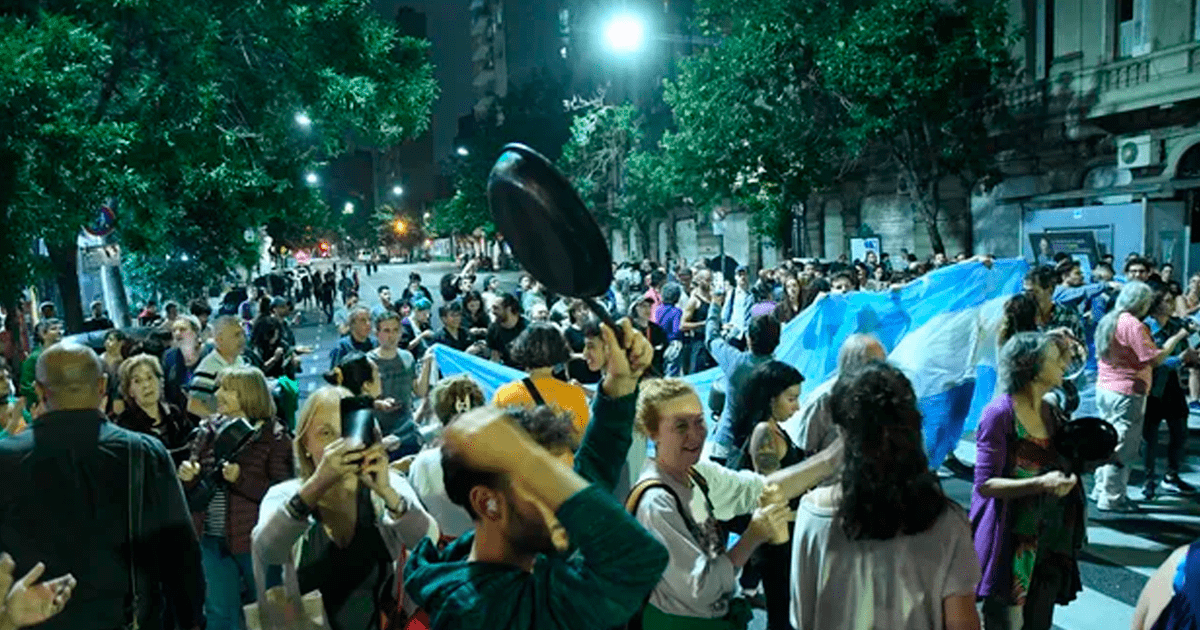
551 548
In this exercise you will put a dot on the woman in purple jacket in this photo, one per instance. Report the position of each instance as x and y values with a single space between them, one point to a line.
1026 513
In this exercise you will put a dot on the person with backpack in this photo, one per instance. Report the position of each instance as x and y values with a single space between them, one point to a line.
681 499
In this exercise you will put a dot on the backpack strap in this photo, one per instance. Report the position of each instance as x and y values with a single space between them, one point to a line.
636 493
533 391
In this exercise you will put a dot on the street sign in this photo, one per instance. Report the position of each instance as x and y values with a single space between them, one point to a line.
718 221
105 223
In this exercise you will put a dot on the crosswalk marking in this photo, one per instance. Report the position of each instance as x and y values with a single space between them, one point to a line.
1093 610
1132 552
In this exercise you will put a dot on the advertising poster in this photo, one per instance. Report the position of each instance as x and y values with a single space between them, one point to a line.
1074 244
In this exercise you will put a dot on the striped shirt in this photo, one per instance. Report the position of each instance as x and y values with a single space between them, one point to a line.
204 380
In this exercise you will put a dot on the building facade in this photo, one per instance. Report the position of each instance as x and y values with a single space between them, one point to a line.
1107 138
512 40
1102 150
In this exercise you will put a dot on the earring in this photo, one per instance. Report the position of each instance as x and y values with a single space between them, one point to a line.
491 507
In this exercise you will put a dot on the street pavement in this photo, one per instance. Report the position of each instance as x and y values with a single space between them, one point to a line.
1122 550
315 333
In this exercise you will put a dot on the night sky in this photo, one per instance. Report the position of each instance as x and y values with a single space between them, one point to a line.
450 32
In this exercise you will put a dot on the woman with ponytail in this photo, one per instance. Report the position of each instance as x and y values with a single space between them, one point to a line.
357 373
885 543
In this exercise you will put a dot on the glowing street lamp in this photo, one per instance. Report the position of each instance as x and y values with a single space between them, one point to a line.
312 179
400 227
303 120
462 151
348 208
625 33
397 190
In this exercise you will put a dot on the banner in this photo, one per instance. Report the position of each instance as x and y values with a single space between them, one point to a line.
940 330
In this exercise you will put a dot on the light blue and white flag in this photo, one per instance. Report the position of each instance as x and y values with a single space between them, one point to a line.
941 330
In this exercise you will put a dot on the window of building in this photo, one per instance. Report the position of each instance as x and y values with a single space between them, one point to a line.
1043 38
1133 28
1196 20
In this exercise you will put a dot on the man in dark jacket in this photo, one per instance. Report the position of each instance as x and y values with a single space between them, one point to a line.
68 504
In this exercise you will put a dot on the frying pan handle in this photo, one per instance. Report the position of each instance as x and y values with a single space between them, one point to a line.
605 317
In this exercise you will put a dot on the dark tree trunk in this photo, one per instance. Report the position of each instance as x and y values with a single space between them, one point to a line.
927 201
64 259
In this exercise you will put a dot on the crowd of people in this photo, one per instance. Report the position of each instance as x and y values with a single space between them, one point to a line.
172 489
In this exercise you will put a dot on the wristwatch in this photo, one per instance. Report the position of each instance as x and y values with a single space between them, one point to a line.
297 508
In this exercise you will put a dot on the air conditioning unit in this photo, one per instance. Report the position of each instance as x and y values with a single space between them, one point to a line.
1136 151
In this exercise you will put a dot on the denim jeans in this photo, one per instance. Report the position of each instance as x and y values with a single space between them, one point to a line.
226 575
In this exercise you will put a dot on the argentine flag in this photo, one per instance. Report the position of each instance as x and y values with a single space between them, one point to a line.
940 330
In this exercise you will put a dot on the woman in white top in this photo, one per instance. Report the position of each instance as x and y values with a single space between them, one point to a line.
884 548
679 499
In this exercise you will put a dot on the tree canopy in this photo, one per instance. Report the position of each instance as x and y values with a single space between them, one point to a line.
923 80
183 115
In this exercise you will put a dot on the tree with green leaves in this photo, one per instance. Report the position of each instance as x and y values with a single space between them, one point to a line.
923 80
184 115
752 126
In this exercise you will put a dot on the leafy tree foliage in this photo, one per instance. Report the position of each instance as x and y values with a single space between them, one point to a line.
918 78
752 124
184 114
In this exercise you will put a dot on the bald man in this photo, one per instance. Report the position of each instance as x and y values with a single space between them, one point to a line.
812 426
66 500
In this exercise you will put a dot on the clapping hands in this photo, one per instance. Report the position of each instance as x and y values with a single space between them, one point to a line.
27 601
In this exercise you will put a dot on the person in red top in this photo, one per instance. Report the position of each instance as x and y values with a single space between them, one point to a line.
654 286
225 521
1127 354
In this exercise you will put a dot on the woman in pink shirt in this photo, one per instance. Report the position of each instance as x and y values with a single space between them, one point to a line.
1127 355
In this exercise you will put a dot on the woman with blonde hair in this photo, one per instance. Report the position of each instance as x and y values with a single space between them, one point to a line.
146 411
225 514
344 521
680 498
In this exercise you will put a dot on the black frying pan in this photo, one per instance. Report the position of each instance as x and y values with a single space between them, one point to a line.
1085 440
549 228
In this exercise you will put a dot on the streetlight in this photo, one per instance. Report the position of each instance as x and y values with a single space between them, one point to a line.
348 208
397 190
625 33
462 151
303 120
312 179
400 227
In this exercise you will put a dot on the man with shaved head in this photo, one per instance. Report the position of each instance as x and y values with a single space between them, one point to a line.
73 500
